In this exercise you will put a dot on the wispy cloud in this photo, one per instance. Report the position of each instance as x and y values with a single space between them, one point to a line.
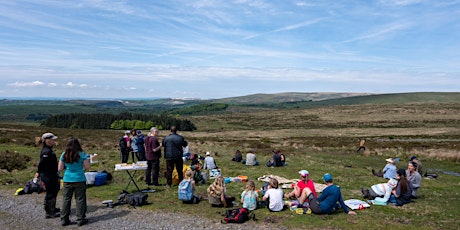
381 33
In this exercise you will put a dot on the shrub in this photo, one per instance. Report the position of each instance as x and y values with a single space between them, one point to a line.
11 161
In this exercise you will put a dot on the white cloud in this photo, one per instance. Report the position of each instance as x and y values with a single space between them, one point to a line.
26 84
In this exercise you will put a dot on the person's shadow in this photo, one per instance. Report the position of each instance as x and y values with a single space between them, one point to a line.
108 214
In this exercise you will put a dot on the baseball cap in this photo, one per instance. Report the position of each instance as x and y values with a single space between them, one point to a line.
303 173
49 136
327 177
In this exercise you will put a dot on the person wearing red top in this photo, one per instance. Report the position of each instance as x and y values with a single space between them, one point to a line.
299 191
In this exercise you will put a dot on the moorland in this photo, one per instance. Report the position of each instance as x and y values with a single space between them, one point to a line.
317 134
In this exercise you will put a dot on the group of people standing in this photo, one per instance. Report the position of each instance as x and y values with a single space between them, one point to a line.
149 149
132 142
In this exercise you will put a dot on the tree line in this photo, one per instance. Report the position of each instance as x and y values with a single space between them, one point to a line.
125 120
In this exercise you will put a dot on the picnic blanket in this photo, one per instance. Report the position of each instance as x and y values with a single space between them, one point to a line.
289 183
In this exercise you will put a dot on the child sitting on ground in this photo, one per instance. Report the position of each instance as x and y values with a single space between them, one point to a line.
186 192
273 197
249 197
216 194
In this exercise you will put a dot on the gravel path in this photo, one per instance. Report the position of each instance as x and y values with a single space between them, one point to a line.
26 212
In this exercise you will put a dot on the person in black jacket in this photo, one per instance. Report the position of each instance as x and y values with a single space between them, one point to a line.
173 144
48 173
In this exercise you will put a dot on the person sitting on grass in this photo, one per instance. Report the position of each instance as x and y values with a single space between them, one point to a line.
388 172
299 191
273 197
238 156
330 198
251 159
277 159
216 194
403 191
189 178
249 197
209 162
380 192
414 178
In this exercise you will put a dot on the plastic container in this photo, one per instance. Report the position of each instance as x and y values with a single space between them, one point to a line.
90 177
101 179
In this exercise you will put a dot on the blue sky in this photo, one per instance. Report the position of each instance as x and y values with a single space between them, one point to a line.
215 49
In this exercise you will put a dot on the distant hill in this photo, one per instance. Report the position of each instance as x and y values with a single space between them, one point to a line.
262 98
35 110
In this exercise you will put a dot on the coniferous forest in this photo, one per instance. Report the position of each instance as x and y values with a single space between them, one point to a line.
123 120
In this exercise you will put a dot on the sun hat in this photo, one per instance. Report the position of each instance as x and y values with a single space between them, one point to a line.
208 154
327 177
49 136
303 173
390 160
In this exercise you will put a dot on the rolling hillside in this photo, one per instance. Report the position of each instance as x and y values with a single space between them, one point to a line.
34 110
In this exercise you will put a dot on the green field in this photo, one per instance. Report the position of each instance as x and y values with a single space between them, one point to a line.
320 139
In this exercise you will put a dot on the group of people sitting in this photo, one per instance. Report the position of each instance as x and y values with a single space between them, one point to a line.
273 195
402 186
278 158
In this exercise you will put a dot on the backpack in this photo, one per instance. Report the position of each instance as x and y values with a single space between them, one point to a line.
133 199
31 187
123 144
237 215
185 190
140 144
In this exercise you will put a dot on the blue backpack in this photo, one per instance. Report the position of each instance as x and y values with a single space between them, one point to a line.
140 144
185 190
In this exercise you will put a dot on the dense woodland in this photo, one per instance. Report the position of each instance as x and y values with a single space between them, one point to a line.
123 120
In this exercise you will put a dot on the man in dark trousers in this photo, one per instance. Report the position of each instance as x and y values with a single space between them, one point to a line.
173 154
152 154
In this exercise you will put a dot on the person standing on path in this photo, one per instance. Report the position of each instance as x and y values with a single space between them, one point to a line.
173 144
48 173
152 154
75 162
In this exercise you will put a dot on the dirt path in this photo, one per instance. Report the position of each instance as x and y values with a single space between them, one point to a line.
26 212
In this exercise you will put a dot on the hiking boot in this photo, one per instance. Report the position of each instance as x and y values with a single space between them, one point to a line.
51 215
82 222
65 222
365 193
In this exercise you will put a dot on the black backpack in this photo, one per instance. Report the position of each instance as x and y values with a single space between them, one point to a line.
133 199
237 215
123 144
31 187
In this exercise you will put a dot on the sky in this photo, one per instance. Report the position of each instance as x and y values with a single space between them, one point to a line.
211 49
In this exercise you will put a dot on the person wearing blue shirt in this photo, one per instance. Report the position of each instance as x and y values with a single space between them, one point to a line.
329 198
388 172
75 162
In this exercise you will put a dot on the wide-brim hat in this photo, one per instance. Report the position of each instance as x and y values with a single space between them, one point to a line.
390 160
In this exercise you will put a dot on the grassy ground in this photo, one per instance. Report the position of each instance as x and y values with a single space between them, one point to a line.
326 145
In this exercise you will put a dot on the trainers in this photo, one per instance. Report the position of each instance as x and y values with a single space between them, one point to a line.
82 222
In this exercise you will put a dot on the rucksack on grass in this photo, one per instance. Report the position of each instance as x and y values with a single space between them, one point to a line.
133 199
31 187
185 190
237 215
